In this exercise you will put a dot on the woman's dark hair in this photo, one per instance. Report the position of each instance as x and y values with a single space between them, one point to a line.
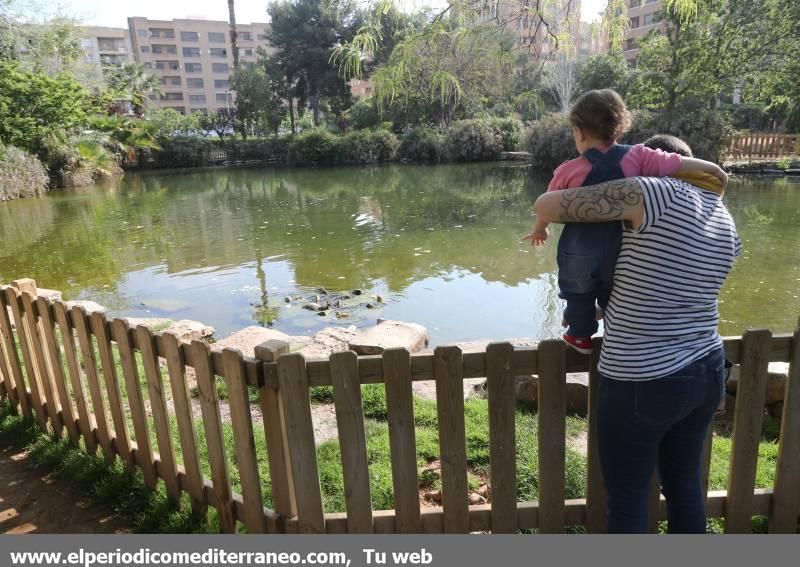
669 144
602 114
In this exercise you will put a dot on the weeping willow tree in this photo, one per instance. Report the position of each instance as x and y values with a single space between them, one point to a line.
457 56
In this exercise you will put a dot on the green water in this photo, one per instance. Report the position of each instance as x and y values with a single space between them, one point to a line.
439 244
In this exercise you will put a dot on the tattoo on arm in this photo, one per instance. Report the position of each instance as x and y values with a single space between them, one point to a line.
607 201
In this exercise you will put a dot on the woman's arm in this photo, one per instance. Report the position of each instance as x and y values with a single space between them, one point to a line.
620 199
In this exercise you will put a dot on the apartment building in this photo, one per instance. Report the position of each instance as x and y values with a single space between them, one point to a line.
645 16
563 17
108 47
194 59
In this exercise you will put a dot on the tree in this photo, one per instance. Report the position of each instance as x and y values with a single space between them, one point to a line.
562 75
33 104
168 122
259 101
234 34
604 71
134 81
304 33
221 123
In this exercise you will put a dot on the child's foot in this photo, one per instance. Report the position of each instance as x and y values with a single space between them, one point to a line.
582 344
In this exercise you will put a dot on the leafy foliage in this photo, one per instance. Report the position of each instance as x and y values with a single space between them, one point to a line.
473 140
133 81
604 71
21 174
422 144
550 142
314 147
368 146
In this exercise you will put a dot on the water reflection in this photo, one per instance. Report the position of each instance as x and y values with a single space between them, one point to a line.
441 244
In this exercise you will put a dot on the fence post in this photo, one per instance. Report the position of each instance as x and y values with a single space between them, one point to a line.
18 393
502 437
596 514
552 415
786 495
280 468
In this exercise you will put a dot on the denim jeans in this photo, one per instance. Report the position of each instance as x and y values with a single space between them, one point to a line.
658 424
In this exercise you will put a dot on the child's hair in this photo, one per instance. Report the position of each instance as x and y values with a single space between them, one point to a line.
601 113
669 144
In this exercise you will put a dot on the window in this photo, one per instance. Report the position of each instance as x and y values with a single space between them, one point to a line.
169 65
181 109
218 52
152 96
191 52
168 49
246 36
158 32
221 83
216 37
650 1
635 22
650 19
172 81
262 37
189 36
172 96
197 99
219 67
195 83
203 111
246 52
145 49
141 33
193 68
635 3
223 97
630 44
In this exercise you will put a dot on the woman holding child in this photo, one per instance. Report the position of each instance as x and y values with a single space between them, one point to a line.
668 246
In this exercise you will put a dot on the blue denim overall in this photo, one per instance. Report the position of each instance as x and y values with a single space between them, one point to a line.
587 251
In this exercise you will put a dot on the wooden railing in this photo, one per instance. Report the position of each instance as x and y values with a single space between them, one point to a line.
49 370
751 145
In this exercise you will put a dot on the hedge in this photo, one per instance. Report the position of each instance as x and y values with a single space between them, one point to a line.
21 174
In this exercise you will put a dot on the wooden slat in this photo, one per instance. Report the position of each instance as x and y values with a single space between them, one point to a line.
448 371
786 503
352 441
114 396
705 459
130 372
80 322
502 437
45 382
158 407
596 521
300 431
212 424
552 435
183 416
242 422
750 395
18 394
280 468
57 367
402 439
86 422
23 333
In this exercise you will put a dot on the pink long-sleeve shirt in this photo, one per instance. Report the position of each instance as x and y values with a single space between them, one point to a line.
639 161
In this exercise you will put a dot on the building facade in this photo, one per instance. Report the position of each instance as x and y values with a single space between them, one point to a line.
193 59
645 16
108 47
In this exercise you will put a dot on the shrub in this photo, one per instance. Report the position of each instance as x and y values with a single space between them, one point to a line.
314 147
182 152
364 114
706 131
21 174
473 140
422 144
550 142
509 130
368 146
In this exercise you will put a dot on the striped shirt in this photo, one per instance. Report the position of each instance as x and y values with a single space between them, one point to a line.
663 312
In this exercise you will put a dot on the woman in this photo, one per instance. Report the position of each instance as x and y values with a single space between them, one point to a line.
662 362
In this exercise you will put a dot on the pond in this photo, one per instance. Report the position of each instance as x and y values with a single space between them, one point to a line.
440 245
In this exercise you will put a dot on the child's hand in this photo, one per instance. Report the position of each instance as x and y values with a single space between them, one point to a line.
537 236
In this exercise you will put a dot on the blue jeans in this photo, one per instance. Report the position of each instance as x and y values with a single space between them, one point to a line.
662 423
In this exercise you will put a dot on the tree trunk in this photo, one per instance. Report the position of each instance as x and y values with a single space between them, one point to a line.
315 106
234 35
291 116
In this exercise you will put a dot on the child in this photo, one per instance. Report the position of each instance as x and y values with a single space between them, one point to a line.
587 252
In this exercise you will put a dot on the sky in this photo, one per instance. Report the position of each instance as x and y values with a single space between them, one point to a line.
114 13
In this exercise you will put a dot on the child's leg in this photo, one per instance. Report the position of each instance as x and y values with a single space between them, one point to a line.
580 314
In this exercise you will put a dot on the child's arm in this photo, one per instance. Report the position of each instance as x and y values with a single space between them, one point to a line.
539 233
569 174
694 164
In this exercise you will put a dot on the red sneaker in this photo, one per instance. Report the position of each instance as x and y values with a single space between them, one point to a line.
582 344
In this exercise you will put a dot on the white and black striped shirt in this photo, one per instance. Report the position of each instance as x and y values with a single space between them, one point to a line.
663 311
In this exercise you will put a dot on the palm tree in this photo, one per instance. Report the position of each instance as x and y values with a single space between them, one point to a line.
234 47
134 81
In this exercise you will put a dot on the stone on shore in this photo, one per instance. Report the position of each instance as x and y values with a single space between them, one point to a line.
778 375
328 341
188 330
152 323
390 334
89 305
51 294
249 338
527 392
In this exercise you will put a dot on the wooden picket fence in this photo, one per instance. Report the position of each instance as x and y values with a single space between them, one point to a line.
49 370
762 145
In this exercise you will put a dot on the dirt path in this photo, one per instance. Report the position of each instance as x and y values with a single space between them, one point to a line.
33 502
